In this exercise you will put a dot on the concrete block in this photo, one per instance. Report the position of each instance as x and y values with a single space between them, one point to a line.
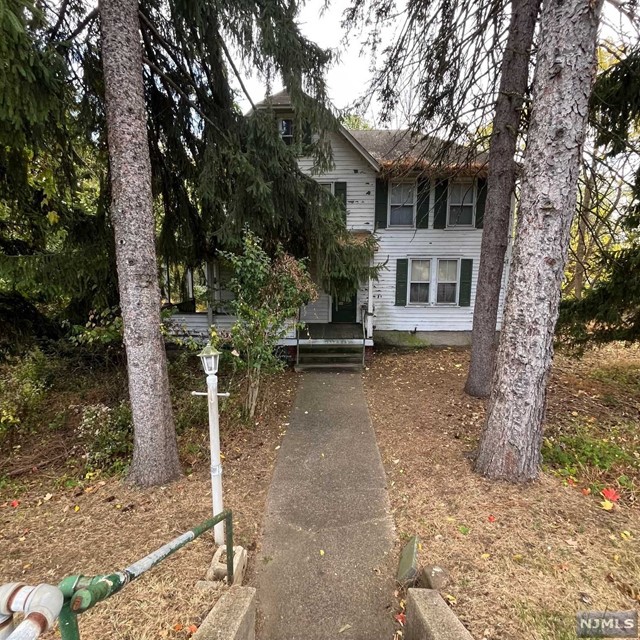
408 567
429 617
233 617
434 577
209 586
218 568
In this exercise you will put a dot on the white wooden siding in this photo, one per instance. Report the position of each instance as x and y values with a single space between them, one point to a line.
197 325
396 244
352 168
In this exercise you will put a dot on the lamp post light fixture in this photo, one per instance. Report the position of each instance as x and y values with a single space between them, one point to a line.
210 358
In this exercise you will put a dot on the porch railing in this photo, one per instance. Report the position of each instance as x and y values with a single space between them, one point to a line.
74 595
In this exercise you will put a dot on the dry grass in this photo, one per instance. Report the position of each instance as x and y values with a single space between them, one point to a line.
523 559
102 524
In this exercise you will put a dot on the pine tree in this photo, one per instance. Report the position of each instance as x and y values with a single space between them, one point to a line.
500 191
155 454
512 436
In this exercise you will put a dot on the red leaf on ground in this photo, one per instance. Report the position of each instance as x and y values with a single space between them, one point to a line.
586 491
610 494
491 518
401 618
15 503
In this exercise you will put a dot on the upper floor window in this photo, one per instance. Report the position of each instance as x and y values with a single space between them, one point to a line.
402 204
286 131
461 206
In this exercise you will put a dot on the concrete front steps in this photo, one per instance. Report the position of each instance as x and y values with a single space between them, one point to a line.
346 355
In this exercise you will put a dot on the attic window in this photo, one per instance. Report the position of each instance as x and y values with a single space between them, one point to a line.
286 131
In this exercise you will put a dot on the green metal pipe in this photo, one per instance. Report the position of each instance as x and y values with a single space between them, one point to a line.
83 592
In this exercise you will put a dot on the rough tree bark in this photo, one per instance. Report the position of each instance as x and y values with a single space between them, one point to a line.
155 455
512 436
500 187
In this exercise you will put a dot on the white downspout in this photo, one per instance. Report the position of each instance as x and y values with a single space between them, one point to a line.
41 606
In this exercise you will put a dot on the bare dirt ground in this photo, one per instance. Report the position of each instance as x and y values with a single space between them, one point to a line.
101 524
523 559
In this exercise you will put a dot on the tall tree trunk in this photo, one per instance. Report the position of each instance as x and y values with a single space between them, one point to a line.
502 176
512 436
155 454
581 247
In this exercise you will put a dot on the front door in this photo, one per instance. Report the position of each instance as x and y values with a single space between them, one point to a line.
345 312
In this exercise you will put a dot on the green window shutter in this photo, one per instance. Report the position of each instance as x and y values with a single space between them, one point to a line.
422 220
466 268
340 192
440 209
402 273
382 198
481 203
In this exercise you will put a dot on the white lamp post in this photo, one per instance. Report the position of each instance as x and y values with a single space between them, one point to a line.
210 357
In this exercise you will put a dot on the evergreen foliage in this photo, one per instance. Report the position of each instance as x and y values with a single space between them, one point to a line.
215 170
610 310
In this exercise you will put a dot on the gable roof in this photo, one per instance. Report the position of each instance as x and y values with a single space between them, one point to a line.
398 150
281 101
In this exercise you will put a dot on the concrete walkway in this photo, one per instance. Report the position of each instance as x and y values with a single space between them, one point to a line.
325 569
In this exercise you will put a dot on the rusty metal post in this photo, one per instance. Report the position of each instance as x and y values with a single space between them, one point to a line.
229 543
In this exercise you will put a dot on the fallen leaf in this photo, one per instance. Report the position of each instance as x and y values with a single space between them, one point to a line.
48 497
607 505
15 503
626 535
321 552
485 556
177 627
586 491
401 618
610 494
76 508
451 599
491 518
192 628
344 627
463 529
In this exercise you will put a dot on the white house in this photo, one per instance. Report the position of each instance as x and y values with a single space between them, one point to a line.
427 218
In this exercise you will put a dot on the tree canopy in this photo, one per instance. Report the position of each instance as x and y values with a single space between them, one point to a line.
215 169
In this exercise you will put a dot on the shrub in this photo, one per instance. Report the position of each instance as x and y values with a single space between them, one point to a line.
107 434
23 384
268 293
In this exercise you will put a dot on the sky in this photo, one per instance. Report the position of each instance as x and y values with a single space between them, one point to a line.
348 78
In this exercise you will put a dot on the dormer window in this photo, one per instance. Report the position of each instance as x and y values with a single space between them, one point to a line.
286 131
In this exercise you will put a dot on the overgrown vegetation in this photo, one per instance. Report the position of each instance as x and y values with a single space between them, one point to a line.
69 408
268 294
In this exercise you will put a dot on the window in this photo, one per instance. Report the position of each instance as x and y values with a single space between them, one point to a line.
327 185
402 200
286 131
461 204
447 290
419 281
